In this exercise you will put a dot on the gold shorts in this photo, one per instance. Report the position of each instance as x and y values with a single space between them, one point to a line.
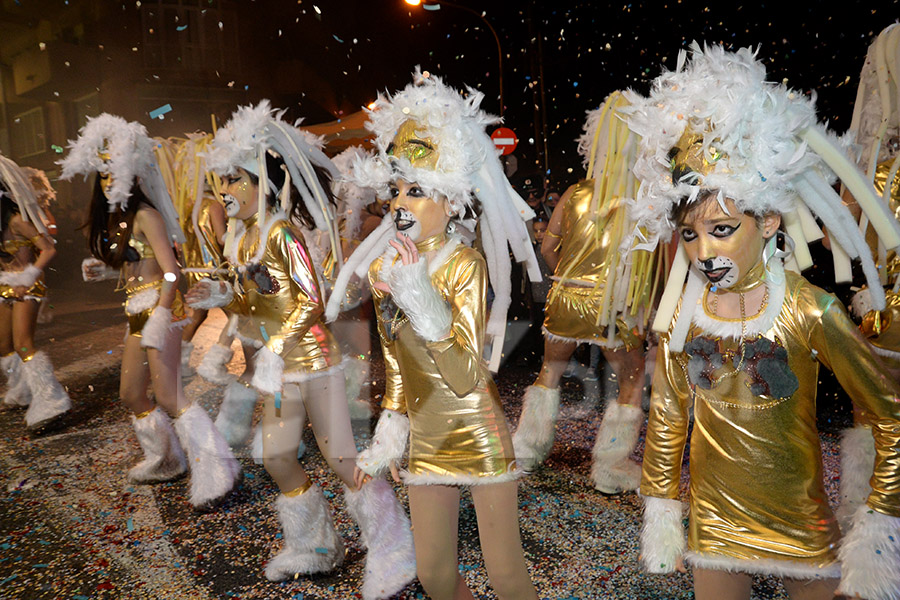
38 292
137 321
571 315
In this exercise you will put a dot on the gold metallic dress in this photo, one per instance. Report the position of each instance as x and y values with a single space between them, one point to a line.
16 248
585 252
202 251
280 294
757 500
457 429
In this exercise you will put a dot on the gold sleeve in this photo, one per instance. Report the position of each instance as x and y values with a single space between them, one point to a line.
394 398
840 346
458 356
287 247
667 426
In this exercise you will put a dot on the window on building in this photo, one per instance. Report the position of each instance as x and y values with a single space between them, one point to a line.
194 35
28 134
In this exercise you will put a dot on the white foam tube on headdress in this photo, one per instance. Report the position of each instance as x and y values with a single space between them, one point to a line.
811 230
883 79
358 263
843 269
154 187
285 195
885 225
795 230
674 287
692 292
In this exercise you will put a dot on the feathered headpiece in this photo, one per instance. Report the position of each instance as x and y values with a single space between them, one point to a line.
715 123
461 164
43 191
351 197
131 154
17 181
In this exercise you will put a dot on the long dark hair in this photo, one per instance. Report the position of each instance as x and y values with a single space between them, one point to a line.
8 209
298 212
107 238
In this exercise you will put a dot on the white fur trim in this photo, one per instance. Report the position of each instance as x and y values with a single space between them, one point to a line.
214 470
388 444
143 300
752 327
105 271
268 373
600 342
386 532
235 418
779 568
26 277
214 365
311 543
163 457
861 303
216 297
662 535
534 435
612 470
49 399
157 327
249 341
17 390
300 376
428 312
857 467
870 556
460 480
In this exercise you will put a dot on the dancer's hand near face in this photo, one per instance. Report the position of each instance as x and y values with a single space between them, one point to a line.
408 253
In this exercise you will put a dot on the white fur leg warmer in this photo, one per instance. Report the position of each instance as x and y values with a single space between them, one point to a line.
214 470
388 444
427 310
235 418
534 435
217 297
157 328
662 535
17 391
214 365
857 466
311 543
163 457
25 278
870 556
387 535
49 400
612 471
268 371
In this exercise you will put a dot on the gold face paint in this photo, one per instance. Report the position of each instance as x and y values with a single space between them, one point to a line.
723 247
415 214
419 151
239 195
106 178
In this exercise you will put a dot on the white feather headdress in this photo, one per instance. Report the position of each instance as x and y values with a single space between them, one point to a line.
351 197
131 155
763 147
467 167
18 182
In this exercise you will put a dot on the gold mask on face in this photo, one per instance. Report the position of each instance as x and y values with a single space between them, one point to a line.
106 178
419 151
689 156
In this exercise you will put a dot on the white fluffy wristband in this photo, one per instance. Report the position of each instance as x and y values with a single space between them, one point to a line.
388 444
268 371
155 330
412 291
216 298
870 556
662 535
101 269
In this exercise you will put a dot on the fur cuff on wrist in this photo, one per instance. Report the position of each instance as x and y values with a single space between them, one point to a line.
268 371
216 298
428 313
388 444
93 263
25 278
870 556
155 330
662 536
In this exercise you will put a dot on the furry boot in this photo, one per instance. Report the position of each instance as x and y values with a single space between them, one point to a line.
214 366
214 470
857 466
612 471
49 401
186 349
235 418
311 543
256 447
537 426
163 457
18 395
386 532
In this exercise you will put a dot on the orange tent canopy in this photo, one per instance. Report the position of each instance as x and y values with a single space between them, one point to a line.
344 132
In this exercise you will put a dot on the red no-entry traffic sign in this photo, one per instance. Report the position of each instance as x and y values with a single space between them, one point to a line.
505 139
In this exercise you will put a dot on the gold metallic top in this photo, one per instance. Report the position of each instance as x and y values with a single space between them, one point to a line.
143 249
205 251
586 250
282 297
756 489
457 427
420 151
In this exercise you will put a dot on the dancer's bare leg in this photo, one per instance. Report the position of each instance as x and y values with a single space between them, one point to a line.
710 584
282 432
434 512
134 378
165 374
6 329
24 319
326 408
556 357
628 366
811 589
497 510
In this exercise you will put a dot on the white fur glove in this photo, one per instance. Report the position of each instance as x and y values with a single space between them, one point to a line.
216 298
870 556
268 371
93 269
157 327
412 291
388 444
662 536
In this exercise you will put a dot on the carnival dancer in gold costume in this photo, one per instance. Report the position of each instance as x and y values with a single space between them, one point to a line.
726 158
27 249
597 298
435 162
132 228
275 178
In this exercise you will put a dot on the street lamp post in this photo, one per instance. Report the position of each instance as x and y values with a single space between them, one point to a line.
486 22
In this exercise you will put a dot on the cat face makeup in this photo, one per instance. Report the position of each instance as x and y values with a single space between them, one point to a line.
417 215
239 195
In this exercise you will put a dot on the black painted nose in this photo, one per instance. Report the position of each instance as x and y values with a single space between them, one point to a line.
708 264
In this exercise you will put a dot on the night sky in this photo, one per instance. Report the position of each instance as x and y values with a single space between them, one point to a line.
584 49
